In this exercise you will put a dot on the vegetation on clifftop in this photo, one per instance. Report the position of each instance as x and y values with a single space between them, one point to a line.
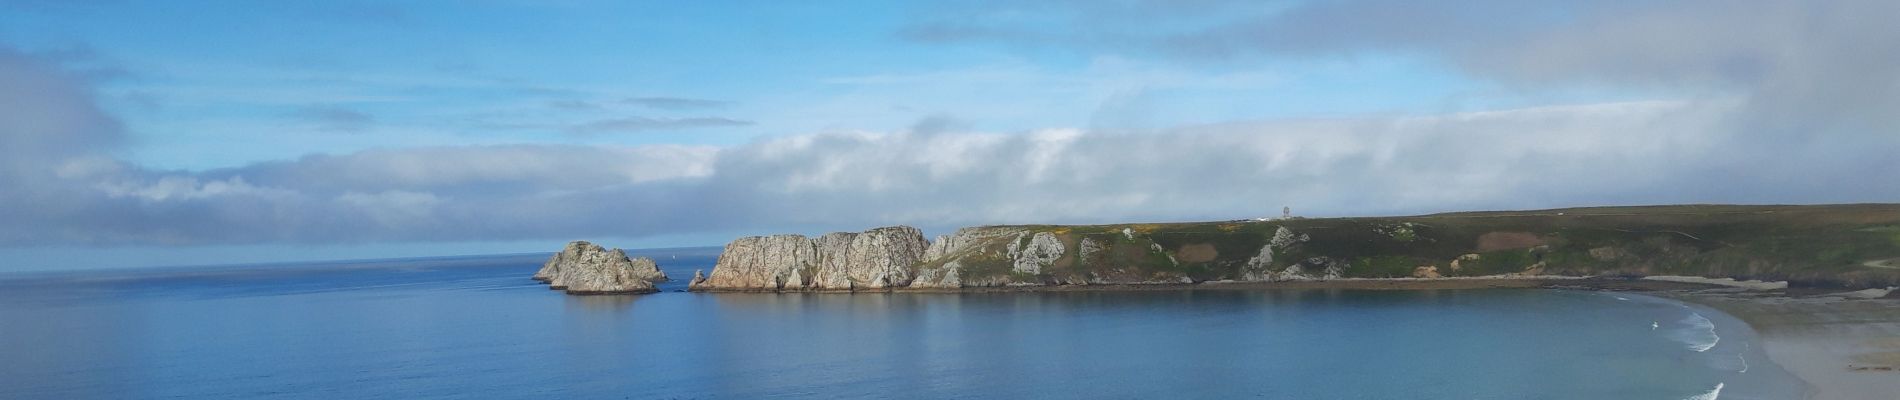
1828 245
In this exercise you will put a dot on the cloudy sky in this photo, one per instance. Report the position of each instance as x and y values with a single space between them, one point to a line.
140 133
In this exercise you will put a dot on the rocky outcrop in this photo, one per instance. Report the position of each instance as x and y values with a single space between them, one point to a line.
1260 266
945 259
943 276
1041 250
876 259
763 262
586 268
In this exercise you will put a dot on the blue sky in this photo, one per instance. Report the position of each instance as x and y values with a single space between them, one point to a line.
243 131
201 84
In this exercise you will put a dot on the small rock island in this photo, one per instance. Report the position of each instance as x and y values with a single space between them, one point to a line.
587 268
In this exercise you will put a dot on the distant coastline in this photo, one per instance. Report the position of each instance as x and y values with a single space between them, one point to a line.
1822 246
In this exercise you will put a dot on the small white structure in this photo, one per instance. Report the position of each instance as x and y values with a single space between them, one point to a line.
1286 213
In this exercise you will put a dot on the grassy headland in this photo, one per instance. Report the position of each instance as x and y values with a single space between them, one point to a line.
1833 246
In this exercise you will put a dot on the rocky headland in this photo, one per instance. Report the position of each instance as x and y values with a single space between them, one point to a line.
1836 246
587 268
877 259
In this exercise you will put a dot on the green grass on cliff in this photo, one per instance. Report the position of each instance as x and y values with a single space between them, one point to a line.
1825 245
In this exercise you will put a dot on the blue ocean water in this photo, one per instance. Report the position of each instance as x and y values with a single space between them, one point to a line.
477 327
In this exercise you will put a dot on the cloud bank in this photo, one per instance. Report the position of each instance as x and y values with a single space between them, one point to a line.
1773 102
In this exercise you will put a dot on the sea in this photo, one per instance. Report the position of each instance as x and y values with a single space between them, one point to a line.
476 327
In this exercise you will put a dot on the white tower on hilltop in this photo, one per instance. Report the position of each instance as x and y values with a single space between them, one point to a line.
1286 212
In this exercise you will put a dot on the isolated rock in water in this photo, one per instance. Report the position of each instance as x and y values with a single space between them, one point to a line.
586 268
699 278
567 255
645 268
875 259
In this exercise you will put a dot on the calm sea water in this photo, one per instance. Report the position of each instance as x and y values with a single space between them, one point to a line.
477 327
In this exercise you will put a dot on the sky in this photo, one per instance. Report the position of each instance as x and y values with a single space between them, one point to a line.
150 133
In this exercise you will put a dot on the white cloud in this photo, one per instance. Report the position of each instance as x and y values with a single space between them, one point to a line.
1620 153
1776 117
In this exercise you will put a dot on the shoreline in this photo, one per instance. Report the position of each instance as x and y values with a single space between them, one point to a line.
1842 348
1548 282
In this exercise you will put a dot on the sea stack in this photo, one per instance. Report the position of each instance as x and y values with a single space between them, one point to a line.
876 259
587 268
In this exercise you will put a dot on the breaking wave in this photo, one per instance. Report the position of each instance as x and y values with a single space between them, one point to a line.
1710 395
1699 334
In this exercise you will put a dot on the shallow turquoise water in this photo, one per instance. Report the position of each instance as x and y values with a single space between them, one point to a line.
476 327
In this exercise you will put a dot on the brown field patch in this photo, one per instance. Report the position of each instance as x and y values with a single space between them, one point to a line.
1194 253
1494 241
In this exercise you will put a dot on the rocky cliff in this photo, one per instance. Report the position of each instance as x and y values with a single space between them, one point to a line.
1847 246
586 268
875 259
1853 246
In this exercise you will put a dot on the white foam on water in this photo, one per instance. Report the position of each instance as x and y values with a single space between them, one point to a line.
1739 364
1699 335
1621 298
1711 395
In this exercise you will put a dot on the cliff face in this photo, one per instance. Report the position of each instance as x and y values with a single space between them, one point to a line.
943 263
586 268
875 259
1036 256
763 262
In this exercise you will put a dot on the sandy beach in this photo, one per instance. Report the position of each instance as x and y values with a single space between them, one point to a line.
1843 348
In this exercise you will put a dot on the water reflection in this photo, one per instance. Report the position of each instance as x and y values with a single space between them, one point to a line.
485 330
609 305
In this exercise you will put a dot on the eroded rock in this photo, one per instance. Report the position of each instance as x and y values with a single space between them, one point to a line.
875 259
586 268
1041 251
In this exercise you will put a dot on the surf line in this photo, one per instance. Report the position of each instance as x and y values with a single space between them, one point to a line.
1711 395
1696 319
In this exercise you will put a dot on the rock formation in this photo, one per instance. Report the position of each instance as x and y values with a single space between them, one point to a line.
944 260
763 262
875 259
1042 250
587 268
1610 242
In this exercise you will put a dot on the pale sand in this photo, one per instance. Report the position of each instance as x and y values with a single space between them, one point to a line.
1730 282
1843 349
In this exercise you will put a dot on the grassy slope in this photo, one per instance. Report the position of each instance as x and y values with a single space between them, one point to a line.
1827 245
